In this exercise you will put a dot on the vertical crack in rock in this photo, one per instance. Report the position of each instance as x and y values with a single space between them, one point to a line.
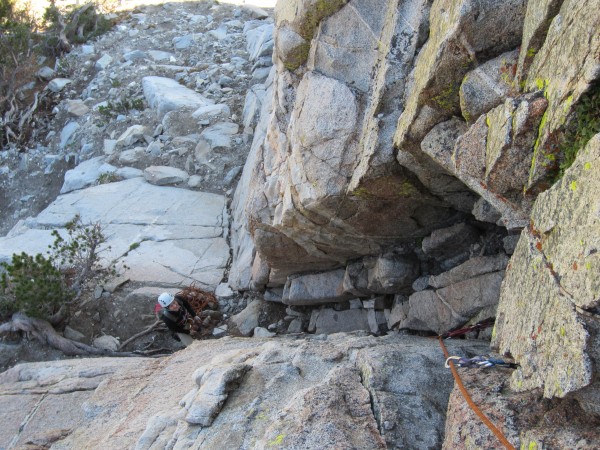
26 420
536 247
364 372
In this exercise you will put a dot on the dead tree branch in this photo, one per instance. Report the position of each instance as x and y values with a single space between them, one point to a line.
47 335
150 329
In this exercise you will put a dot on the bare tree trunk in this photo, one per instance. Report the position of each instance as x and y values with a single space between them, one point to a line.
43 332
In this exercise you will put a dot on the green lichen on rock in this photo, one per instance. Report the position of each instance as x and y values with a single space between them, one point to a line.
539 320
361 192
537 21
448 98
561 68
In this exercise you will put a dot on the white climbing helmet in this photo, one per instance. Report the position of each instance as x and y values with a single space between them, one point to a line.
165 299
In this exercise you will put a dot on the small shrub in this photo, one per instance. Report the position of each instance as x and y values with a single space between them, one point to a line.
107 177
39 286
122 106
34 285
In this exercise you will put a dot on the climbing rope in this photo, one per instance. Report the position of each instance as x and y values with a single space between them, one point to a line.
469 400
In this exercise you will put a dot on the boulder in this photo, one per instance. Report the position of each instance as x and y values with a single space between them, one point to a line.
248 319
166 94
103 62
223 291
46 73
259 41
219 33
260 332
485 212
447 308
86 174
387 274
163 175
203 153
494 156
106 342
58 84
290 48
329 321
473 267
159 55
183 42
316 288
468 155
439 142
132 156
67 133
76 108
448 242
486 86
219 134
512 133
134 55
399 311
131 135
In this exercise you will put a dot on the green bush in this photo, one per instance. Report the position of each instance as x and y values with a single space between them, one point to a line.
74 25
122 106
39 286
33 285
6 8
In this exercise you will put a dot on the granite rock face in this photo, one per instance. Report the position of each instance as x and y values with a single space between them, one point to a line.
238 393
426 130
547 316
321 176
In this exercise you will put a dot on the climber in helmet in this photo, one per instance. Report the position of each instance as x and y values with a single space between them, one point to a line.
179 316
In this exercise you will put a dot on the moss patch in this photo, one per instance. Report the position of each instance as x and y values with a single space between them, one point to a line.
448 98
321 10
581 126
297 57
